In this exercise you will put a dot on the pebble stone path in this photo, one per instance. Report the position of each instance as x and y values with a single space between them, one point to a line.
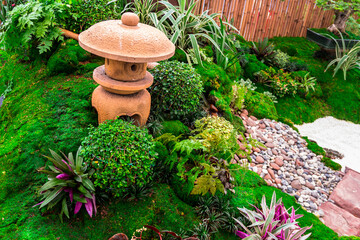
286 163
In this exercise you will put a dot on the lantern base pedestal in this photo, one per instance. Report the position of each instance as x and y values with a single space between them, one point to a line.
110 106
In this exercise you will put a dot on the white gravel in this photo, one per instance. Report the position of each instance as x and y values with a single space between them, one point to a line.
338 135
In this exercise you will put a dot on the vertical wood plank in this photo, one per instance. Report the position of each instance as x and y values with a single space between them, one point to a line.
269 18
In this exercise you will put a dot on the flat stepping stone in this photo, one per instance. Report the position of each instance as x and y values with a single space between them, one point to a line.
347 193
340 220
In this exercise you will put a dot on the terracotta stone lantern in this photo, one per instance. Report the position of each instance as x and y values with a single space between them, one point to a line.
127 47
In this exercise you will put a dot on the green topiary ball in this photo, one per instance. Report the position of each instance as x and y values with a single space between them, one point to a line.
122 155
176 91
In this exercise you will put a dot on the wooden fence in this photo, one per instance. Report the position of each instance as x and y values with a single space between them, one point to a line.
257 19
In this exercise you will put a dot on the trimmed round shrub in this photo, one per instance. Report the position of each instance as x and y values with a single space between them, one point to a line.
176 91
122 155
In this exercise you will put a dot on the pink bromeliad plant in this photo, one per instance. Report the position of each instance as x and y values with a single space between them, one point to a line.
271 223
68 183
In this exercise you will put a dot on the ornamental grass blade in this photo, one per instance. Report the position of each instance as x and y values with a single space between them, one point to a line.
284 227
268 220
253 237
89 207
243 226
52 183
299 233
65 209
196 48
51 196
77 207
305 237
94 203
58 164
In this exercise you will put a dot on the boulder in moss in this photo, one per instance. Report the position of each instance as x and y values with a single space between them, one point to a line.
260 105
174 127
66 58
214 78
253 65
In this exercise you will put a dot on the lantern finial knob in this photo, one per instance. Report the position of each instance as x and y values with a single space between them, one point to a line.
130 19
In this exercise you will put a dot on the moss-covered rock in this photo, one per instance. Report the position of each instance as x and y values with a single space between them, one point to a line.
260 105
174 127
66 58
222 102
253 65
161 150
214 78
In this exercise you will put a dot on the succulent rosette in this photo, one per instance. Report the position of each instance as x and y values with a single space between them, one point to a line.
274 222
68 184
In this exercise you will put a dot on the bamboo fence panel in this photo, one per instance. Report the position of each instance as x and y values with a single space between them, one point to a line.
257 19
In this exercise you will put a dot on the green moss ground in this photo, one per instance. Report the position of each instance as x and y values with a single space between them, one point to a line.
341 99
54 112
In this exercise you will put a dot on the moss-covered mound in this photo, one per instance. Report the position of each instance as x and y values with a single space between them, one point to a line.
338 98
260 105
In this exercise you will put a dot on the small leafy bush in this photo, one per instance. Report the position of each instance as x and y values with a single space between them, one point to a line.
271 96
281 82
32 25
201 158
84 13
273 222
263 50
280 59
122 155
307 82
176 91
68 182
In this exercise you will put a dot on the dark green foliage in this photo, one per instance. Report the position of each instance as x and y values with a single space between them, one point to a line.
314 147
179 55
214 78
238 124
82 14
66 58
122 155
264 50
161 150
234 70
32 25
208 51
260 105
252 65
174 127
176 91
